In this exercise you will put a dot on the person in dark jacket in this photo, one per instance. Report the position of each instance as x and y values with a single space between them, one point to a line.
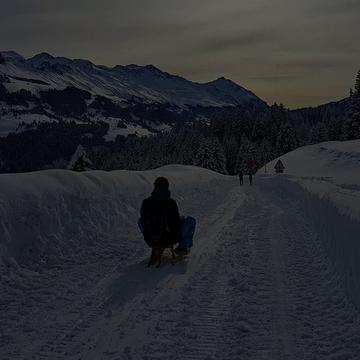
241 178
160 217
250 178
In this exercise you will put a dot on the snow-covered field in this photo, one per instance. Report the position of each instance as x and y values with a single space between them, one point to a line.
115 130
272 275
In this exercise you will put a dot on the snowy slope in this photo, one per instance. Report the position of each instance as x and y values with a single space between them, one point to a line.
260 283
146 82
57 205
135 88
329 169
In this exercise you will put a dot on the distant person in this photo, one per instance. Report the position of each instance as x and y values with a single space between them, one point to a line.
241 178
250 178
160 220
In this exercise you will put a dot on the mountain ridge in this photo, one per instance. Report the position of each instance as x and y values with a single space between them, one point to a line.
39 60
46 57
131 99
44 87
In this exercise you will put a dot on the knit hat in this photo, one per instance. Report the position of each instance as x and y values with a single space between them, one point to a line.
161 183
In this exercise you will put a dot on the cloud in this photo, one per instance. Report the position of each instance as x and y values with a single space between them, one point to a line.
236 41
315 62
335 6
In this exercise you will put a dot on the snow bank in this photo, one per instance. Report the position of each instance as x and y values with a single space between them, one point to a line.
338 232
325 182
327 169
333 158
49 217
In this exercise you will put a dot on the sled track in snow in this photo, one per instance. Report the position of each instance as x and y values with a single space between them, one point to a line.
90 308
212 309
272 293
259 291
192 306
66 336
257 286
210 286
209 327
308 313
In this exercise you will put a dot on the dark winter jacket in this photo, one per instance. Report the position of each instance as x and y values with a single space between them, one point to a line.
160 205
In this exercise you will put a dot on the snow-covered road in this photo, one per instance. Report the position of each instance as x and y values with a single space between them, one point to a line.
257 285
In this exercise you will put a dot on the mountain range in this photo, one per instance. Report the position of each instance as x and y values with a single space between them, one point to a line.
132 99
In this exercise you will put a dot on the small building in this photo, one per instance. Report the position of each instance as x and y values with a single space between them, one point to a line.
279 167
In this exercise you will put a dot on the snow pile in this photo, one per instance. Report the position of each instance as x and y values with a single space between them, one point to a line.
53 216
325 182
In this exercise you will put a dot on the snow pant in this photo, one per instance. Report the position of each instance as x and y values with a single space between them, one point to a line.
188 225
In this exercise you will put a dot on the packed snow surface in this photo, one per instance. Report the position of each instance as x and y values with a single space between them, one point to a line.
263 280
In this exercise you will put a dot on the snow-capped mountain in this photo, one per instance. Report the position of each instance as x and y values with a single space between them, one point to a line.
45 88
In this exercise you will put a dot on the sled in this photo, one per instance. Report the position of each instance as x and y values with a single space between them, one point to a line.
168 255
161 255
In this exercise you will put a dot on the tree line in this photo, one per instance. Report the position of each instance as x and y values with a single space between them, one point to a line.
236 141
230 142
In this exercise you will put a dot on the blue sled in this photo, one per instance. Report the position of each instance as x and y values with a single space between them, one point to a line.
188 225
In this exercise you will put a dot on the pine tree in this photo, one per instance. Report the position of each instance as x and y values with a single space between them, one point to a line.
318 134
211 155
286 140
241 162
351 128
247 160
203 152
80 161
264 152
278 117
231 149
185 146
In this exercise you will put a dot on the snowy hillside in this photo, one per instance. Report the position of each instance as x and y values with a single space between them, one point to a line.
61 211
274 272
48 88
330 168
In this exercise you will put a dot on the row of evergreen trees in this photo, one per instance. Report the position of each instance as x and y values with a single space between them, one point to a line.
351 128
231 143
343 127
235 142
